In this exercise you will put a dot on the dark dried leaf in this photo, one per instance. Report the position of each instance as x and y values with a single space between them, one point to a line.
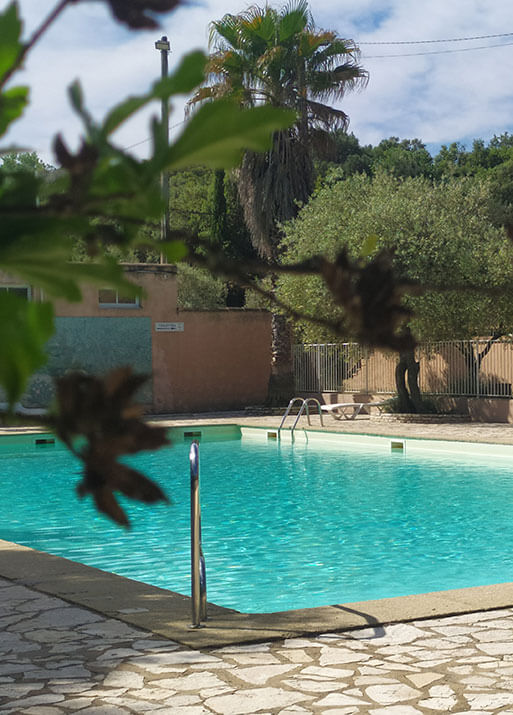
135 485
371 297
121 385
80 166
101 412
134 13
107 503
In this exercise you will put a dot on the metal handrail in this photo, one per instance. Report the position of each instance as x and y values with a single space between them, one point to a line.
287 412
304 406
198 570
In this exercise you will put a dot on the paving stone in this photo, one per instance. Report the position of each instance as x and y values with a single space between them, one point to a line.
260 674
18 667
313 686
250 648
159 694
14 642
254 658
139 705
441 691
391 694
431 663
45 698
148 644
496 648
436 644
193 682
73 671
184 710
331 656
18 690
400 633
325 673
373 680
77 703
396 710
295 656
116 629
124 679
179 701
301 643
40 603
247 702
443 705
488 701
419 680
69 687
104 710
58 618
118 654
104 692
493 635
340 700
497 623
370 670
455 630
156 662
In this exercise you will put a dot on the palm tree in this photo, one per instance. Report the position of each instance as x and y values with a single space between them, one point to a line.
278 57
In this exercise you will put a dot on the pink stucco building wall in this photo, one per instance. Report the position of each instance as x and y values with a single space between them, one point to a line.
201 360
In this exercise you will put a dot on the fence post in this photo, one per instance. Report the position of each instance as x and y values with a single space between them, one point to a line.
475 349
366 357
318 366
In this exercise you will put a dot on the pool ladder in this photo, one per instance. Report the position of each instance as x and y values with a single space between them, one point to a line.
198 570
303 408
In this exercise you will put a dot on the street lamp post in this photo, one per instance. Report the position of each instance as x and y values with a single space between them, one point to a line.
164 48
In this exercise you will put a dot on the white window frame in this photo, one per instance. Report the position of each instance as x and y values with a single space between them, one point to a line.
128 306
7 287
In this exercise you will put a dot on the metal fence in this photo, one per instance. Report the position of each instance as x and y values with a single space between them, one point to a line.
470 368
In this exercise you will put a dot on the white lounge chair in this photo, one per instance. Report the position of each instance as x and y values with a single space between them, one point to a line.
349 410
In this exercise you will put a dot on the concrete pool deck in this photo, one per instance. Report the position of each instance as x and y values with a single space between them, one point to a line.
450 651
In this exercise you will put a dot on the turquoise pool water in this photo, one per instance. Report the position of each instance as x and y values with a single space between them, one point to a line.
284 526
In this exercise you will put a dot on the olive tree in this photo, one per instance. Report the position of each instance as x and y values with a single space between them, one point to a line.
444 243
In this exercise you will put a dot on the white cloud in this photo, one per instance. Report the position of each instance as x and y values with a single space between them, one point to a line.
438 98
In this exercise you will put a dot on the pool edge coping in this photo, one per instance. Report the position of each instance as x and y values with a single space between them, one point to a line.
168 614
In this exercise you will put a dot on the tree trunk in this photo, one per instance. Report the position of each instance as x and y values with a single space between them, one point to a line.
407 383
281 381
473 360
413 368
403 396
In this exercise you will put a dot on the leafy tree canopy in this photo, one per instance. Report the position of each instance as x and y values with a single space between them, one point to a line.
442 236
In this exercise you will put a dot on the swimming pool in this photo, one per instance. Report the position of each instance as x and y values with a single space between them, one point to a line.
284 526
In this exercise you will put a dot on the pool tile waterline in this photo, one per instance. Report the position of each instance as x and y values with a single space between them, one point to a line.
56 658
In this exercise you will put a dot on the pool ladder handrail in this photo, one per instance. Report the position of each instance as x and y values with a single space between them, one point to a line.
198 570
304 406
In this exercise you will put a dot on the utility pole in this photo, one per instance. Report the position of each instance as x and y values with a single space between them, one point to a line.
164 48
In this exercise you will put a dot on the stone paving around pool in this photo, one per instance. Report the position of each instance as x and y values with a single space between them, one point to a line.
57 658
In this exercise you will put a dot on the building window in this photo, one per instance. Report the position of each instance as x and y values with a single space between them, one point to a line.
21 291
108 298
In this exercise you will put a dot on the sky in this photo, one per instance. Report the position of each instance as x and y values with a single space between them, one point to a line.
441 97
